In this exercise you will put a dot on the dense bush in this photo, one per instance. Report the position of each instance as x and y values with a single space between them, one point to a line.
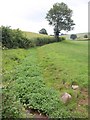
43 31
7 37
16 39
73 36
61 38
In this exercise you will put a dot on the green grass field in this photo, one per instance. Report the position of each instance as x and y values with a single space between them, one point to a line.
32 35
38 76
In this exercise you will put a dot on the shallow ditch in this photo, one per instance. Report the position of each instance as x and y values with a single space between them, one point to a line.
37 114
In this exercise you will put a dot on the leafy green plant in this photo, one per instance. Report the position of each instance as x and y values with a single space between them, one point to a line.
11 107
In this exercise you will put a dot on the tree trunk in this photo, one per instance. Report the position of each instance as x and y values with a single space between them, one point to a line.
56 32
57 38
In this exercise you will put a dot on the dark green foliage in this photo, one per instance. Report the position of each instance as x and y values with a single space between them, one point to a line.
7 37
73 36
60 17
16 39
44 40
85 36
0 34
62 38
43 31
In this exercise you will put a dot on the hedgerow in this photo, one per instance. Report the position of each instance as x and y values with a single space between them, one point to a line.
16 39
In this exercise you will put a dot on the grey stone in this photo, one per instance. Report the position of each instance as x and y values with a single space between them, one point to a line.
66 97
75 87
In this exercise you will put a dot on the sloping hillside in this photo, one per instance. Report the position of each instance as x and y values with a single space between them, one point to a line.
34 35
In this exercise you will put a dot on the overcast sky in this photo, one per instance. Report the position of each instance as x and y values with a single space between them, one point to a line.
29 15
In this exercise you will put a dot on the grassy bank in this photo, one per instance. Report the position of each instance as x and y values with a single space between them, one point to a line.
37 77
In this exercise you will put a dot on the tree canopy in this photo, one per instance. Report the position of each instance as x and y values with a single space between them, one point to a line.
60 17
73 36
43 31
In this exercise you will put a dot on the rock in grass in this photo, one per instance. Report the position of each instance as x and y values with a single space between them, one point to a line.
66 97
75 87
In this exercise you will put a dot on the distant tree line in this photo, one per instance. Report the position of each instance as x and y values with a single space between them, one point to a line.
74 36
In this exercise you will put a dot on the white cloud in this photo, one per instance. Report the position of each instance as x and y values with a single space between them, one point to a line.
30 15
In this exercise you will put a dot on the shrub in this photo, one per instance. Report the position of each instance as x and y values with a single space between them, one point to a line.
62 38
85 36
43 31
73 36
14 38
7 37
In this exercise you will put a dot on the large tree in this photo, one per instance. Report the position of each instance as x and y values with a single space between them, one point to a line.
60 17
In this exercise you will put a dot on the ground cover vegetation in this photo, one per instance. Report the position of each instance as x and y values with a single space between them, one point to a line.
35 79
